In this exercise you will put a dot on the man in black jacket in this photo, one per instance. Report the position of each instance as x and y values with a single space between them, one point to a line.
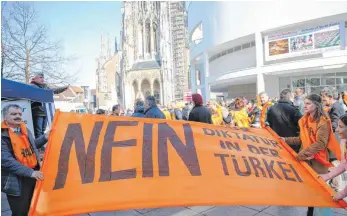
284 117
38 113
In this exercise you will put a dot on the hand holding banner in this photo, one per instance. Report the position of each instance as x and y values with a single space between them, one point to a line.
101 163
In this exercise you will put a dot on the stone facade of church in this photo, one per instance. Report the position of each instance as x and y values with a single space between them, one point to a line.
147 52
107 73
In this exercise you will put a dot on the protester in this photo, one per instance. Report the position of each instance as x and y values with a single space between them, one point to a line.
38 113
342 167
116 110
239 114
166 113
316 137
336 110
185 112
100 112
177 112
265 105
284 117
139 109
20 160
216 112
298 101
152 111
199 113
255 113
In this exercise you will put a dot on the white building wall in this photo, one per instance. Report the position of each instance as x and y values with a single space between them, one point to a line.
242 59
227 20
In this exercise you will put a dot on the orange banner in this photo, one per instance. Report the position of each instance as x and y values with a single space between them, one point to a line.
101 163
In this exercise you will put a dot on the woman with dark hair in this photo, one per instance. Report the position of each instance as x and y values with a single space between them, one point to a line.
342 167
316 137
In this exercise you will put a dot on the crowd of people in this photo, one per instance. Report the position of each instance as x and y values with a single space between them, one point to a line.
314 126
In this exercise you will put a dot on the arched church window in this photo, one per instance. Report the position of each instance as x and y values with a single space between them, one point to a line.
155 36
148 37
144 5
157 96
148 93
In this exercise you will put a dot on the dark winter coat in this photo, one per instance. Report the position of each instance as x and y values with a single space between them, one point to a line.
335 112
283 118
11 169
154 112
37 107
200 114
139 112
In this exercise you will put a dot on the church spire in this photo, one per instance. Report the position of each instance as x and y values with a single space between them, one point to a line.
102 50
108 47
115 45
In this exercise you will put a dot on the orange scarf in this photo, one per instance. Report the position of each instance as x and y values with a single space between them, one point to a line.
345 99
308 133
21 146
263 114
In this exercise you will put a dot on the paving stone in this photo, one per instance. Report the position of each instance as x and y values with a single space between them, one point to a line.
264 214
178 211
258 208
340 211
286 211
143 211
228 211
117 213
200 209
6 213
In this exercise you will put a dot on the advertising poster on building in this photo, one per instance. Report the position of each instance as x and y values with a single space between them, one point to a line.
188 95
26 112
305 41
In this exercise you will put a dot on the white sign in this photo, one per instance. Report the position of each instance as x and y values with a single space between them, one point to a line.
309 41
26 112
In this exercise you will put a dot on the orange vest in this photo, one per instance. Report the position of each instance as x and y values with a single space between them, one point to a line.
263 114
22 149
308 133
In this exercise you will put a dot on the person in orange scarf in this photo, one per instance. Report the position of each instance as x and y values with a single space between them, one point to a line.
20 161
316 137
265 105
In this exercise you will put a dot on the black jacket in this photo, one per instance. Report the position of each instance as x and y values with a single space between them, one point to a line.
154 112
37 107
335 112
284 118
200 114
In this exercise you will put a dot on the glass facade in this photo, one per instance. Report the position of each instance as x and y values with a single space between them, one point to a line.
315 83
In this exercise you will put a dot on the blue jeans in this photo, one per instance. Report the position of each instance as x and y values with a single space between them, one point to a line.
40 123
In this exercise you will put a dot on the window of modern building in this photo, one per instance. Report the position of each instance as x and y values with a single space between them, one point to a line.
315 83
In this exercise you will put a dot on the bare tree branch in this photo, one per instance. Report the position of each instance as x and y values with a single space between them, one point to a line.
26 48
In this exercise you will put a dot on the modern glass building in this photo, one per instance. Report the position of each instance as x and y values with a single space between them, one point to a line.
240 48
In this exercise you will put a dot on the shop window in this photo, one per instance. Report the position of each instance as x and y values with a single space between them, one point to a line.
298 82
313 81
328 79
284 83
315 90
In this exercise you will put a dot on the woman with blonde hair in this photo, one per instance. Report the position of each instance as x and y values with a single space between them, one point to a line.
239 114
316 137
